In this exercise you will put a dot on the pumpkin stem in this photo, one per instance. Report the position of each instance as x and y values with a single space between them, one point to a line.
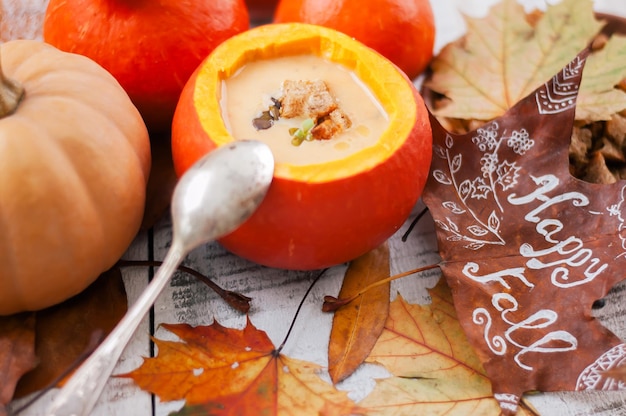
11 93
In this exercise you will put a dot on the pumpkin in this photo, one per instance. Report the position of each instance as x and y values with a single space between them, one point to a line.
401 30
151 47
74 161
315 215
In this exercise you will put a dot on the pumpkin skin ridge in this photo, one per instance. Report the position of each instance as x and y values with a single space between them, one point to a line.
69 147
28 286
79 95
276 237
124 141
101 254
185 127
6 246
92 192
143 162
96 108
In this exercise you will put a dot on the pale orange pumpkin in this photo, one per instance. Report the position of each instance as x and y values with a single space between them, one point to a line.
315 215
74 162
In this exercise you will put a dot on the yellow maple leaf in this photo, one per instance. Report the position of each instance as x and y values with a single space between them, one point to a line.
435 370
505 56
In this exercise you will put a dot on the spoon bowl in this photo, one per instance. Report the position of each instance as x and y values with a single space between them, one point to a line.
220 191
216 195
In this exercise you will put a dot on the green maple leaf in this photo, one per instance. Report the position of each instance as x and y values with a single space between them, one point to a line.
505 56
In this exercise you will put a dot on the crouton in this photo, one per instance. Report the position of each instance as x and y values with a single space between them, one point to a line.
310 99
313 100
330 125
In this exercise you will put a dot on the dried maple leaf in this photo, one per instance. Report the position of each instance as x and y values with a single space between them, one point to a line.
17 353
357 325
435 370
527 248
64 331
219 370
505 56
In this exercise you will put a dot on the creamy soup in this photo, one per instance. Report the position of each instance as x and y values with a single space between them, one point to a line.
248 93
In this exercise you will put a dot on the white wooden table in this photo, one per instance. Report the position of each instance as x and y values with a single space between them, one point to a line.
276 293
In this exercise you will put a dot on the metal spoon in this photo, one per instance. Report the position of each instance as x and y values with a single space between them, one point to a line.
211 199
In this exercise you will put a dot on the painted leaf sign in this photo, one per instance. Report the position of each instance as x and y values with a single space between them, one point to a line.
527 248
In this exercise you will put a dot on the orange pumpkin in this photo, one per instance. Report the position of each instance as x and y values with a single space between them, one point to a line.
401 30
74 161
318 214
150 47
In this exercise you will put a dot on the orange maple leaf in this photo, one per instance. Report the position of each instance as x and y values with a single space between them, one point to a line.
219 370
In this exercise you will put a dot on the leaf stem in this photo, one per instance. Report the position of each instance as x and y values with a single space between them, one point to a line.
11 93
332 303
236 300
417 219
295 317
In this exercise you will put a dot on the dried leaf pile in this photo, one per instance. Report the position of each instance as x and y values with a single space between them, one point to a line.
526 248
508 54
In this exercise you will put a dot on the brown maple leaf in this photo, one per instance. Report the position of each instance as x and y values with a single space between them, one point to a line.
64 331
17 353
219 370
527 248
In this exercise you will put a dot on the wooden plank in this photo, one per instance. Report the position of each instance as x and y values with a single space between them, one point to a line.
121 396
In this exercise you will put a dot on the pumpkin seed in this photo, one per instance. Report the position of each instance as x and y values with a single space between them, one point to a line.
263 122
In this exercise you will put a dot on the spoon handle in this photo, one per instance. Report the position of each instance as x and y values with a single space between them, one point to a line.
80 394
